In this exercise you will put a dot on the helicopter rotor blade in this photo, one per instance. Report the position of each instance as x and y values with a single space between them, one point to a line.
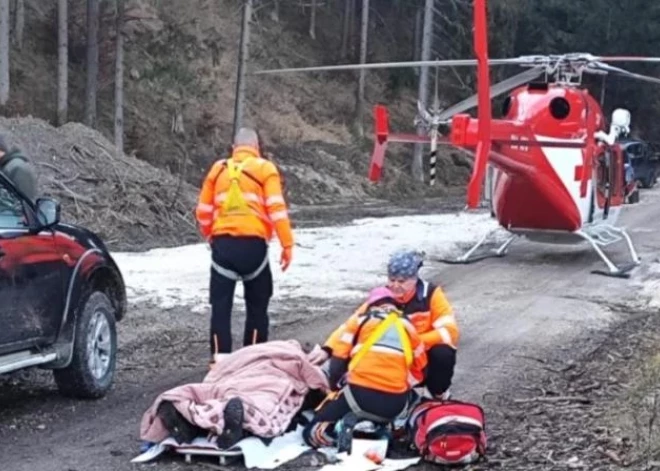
651 60
603 67
392 65
529 60
495 90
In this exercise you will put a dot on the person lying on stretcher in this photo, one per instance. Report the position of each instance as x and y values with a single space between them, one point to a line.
379 359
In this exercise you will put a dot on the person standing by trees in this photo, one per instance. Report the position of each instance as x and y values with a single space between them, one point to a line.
240 204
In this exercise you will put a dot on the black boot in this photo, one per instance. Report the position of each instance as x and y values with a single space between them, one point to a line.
345 433
180 429
233 429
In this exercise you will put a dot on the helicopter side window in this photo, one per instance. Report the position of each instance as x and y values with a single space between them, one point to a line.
560 108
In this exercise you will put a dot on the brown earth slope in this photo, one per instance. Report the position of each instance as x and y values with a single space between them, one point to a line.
181 69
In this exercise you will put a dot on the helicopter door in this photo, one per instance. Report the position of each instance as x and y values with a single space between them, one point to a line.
617 176
604 181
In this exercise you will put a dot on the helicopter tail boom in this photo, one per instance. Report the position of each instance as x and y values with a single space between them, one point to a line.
383 137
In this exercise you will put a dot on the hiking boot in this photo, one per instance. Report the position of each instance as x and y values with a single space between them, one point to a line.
344 430
233 429
178 427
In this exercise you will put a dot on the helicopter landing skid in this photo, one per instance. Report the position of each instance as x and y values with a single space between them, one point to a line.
469 257
602 236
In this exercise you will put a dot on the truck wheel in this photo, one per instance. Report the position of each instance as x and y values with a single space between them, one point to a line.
92 369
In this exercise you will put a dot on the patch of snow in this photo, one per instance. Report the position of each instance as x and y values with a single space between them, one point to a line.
328 262
651 286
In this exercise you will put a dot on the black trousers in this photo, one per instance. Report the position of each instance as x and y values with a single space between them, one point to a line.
440 368
320 431
242 255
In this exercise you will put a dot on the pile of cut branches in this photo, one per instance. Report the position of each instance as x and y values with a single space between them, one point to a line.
128 202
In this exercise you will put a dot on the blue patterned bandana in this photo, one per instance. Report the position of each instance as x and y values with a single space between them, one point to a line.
404 264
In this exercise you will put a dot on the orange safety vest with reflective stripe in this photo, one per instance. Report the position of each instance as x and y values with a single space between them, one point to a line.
381 364
260 185
429 311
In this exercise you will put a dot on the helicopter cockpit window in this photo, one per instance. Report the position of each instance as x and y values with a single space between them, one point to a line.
559 108
506 106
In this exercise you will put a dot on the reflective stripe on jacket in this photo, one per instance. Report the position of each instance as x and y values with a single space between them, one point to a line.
382 367
261 187
429 311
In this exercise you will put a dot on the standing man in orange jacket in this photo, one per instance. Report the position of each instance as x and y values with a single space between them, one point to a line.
240 205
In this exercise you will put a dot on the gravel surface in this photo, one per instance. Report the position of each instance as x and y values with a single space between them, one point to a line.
524 319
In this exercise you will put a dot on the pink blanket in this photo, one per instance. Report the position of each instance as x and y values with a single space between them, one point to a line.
271 379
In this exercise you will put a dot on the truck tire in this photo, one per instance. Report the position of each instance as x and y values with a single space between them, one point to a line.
91 371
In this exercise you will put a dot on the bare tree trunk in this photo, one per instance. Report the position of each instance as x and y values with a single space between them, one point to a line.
275 12
312 21
242 59
4 52
603 84
62 61
20 23
359 118
351 29
346 29
417 36
119 78
427 34
92 62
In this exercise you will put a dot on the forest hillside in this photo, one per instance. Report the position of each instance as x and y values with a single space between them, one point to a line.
180 69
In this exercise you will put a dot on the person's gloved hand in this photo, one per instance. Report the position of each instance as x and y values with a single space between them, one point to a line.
317 356
285 259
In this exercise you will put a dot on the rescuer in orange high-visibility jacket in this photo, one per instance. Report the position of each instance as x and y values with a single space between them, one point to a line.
377 360
240 206
428 309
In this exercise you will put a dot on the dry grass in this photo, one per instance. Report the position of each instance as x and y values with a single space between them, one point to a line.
639 412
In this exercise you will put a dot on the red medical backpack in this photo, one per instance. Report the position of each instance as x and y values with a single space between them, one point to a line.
448 432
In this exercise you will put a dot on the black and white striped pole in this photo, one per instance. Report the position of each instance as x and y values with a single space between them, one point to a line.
433 158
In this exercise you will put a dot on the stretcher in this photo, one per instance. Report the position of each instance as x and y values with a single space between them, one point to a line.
199 447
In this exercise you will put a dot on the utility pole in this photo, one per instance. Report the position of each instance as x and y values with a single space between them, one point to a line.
239 102
427 35
364 35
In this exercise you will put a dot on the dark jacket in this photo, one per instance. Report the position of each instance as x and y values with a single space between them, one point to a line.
16 168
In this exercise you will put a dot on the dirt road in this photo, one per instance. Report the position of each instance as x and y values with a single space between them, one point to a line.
537 300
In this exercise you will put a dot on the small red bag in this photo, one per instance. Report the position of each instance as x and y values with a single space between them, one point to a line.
448 432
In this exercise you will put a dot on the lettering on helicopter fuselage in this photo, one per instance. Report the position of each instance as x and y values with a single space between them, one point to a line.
520 147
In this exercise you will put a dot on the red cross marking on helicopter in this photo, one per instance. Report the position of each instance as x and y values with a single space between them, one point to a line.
578 172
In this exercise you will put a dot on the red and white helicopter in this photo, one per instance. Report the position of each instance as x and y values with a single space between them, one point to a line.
558 176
